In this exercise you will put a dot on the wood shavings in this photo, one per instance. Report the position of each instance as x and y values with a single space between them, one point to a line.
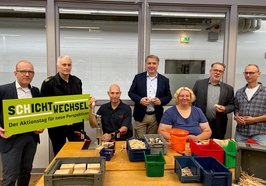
247 180
155 141
221 142
123 147
137 144
186 172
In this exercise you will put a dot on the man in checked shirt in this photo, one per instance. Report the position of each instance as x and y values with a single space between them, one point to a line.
250 108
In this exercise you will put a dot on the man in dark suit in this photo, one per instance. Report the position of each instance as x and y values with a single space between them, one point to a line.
216 99
18 151
150 91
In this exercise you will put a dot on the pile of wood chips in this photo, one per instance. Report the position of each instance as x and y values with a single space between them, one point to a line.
186 172
247 180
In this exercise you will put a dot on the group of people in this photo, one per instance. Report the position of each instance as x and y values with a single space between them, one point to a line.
202 111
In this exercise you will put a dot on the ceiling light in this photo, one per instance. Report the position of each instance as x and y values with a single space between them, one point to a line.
177 29
82 27
188 14
107 12
22 9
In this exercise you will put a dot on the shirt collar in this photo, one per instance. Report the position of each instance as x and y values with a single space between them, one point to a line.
154 76
19 87
110 106
259 84
219 83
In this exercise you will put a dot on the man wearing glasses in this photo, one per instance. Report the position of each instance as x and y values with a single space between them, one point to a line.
216 99
250 110
18 151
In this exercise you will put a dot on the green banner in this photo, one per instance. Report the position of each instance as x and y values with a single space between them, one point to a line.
25 115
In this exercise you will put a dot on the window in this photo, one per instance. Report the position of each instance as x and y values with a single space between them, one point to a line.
190 39
103 45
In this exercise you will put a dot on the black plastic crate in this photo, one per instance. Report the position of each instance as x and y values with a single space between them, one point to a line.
213 173
187 161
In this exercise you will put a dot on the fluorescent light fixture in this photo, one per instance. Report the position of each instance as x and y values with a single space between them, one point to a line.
83 38
178 29
188 14
252 16
9 35
23 9
107 12
81 27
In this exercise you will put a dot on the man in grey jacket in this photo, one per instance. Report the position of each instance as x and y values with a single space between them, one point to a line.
216 99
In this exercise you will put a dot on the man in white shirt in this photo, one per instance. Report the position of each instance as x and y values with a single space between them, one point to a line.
18 151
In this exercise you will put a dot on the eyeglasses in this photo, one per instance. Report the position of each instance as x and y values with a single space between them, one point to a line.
250 73
24 72
216 70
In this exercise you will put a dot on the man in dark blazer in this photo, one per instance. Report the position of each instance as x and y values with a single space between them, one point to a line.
150 91
18 151
216 99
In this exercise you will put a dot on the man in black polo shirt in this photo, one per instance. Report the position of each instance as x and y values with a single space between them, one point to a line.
115 116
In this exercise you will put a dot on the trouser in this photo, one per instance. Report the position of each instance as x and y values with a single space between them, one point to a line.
58 135
17 162
148 125
260 139
218 128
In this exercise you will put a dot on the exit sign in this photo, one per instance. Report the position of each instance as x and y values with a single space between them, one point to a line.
184 39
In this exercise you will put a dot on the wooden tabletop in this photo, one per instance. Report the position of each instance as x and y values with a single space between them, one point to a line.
120 171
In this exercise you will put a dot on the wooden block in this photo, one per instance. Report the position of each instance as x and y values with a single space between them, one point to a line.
93 166
80 166
92 171
78 171
63 171
67 166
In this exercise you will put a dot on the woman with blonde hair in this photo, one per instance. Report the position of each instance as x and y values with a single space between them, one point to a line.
185 116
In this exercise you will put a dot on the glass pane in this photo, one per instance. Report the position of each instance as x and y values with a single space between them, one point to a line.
22 36
103 45
187 44
251 45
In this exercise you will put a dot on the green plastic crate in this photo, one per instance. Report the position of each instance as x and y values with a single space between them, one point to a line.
230 154
154 164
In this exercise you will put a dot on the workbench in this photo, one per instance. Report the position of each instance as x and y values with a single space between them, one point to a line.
120 171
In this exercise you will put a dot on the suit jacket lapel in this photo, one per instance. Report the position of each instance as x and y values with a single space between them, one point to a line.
205 90
222 93
144 79
13 92
159 84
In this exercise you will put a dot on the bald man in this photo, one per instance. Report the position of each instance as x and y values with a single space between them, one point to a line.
116 117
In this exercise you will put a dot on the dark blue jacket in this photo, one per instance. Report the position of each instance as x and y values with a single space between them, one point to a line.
138 90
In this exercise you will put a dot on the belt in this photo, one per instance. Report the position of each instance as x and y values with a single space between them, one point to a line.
150 113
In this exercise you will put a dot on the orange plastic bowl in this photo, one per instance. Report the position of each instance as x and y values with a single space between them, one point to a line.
178 132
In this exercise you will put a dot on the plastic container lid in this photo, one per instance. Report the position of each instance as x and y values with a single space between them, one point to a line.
178 132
